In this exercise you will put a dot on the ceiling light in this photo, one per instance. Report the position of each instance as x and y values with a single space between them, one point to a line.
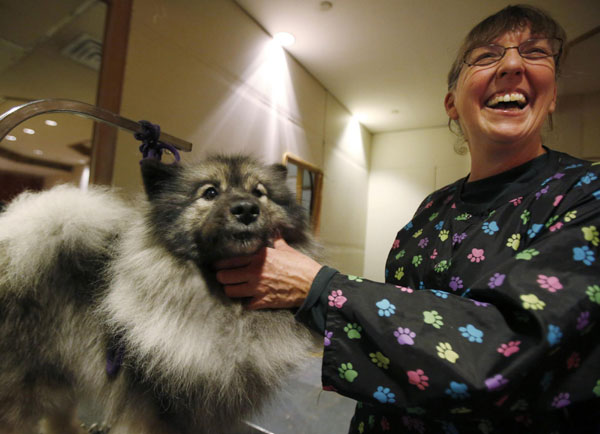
284 39
38 152
28 131
10 138
50 122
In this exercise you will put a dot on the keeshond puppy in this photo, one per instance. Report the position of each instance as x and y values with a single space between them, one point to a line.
117 303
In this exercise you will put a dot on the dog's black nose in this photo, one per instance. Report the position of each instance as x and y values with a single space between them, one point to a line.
245 211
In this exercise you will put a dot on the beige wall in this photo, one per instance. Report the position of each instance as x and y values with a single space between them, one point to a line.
204 71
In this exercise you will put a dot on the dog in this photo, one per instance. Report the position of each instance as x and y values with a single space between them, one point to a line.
116 302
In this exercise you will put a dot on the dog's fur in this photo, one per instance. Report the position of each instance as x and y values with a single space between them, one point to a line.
86 273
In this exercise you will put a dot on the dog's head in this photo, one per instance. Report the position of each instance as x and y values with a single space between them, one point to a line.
224 206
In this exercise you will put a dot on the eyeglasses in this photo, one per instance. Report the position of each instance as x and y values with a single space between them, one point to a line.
532 49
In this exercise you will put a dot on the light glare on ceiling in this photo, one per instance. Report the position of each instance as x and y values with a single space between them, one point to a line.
28 131
38 152
11 138
284 39
50 122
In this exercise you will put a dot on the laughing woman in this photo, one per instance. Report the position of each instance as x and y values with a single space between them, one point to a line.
489 320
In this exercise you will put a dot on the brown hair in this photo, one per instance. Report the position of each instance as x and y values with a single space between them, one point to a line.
508 19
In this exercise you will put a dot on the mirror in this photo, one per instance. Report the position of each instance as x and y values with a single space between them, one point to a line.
307 181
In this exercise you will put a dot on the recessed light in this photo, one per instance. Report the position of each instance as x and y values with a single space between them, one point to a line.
10 138
284 39
28 131
38 152
50 122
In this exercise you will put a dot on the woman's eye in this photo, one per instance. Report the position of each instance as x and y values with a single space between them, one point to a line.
210 193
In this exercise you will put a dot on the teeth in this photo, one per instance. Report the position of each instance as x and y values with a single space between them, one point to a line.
515 97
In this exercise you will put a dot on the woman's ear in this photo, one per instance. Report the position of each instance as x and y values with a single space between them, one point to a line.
450 106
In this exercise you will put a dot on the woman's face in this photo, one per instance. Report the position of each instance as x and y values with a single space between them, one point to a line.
488 125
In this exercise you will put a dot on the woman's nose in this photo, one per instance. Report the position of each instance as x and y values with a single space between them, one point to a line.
511 64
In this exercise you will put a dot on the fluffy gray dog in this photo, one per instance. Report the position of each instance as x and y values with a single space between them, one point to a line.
114 302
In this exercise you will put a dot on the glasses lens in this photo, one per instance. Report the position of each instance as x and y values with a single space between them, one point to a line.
485 55
539 48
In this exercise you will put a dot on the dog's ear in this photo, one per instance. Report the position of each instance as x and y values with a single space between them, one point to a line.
279 171
156 175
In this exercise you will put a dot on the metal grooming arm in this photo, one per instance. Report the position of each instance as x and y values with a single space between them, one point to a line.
21 113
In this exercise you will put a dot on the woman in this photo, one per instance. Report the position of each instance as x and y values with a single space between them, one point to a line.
489 320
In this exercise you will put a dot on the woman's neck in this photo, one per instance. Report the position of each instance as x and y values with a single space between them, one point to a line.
490 161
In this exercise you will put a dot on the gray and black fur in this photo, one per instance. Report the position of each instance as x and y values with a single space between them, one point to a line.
83 274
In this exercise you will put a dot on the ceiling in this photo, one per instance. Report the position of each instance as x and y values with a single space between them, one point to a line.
387 60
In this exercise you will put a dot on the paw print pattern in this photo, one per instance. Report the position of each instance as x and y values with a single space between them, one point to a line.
509 349
471 333
525 216
496 382
399 274
423 242
551 283
531 301
327 338
590 234
385 308
596 389
347 372
554 335
432 317
496 280
561 400
418 378
443 235
583 320
336 298
441 266
584 254
570 216
380 360
405 336
476 255
384 395
355 278
456 283
527 254
417 260
490 228
593 292
353 330
446 352
457 390
514 241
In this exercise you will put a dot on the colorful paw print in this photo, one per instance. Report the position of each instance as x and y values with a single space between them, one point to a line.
514 241
399 274
380 360
593 292
386 308
496 280
418 378
588 178
531 301
551 283
384 395
441 266
458 238
432 317
347 372
433 216
443 235
509 349
455 283
496 382
336 298
561 400
440 293
584 254
327 338
525 216
417 260
490 228
476 255
439 225
423 242
574 361
534 230
554 335
355 278
590 233
596 388
353 330
405 336
400 254
570 216
527 254
583 320
463 217
458 390
446 352
471 333
418 233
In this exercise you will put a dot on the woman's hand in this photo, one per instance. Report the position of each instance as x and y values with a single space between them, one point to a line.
274 277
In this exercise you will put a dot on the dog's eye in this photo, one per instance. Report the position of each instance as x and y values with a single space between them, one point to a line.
210 193
259 191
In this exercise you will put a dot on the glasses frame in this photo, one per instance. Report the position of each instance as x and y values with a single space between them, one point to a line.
518 47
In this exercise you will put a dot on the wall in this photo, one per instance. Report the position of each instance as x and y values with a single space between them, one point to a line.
405 167
207 73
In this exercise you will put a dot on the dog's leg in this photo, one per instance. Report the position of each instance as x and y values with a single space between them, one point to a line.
62 422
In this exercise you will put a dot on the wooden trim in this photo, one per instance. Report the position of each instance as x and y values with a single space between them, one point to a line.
315 211
110 87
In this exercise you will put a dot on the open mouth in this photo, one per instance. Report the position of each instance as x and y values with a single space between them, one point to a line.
507 101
